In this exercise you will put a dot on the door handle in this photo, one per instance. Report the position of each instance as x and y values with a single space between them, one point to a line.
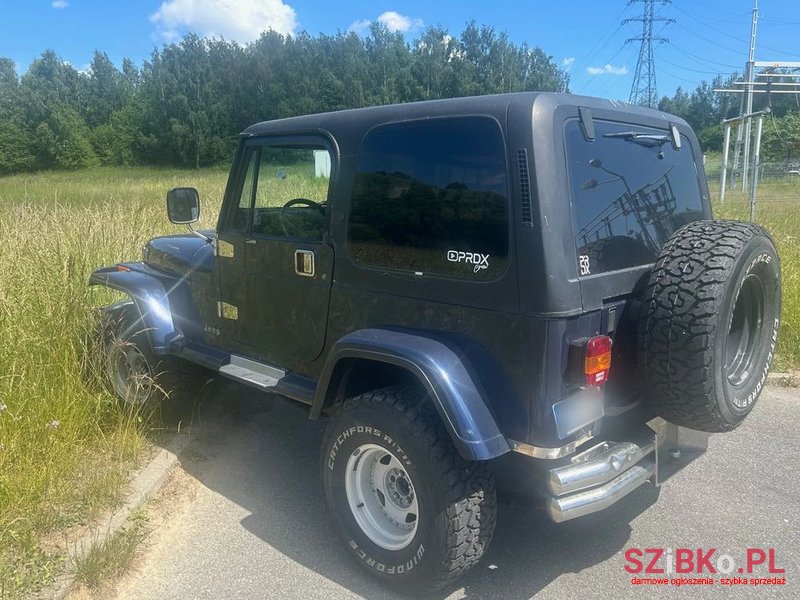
304 263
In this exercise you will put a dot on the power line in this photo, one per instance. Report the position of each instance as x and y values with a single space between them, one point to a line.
779 51
701 59
705 24
608 62
690 69
663 70
594 49
702 37
733 37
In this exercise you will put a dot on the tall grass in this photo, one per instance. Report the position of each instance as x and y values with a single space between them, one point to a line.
778 210
65 445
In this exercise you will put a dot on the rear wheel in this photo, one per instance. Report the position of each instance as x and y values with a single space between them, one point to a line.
406 505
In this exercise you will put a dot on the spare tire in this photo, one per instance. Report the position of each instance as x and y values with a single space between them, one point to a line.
709 323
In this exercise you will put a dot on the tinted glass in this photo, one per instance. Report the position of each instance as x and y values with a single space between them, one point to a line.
630 191
431 197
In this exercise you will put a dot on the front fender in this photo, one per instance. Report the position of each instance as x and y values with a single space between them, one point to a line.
459 397
149 296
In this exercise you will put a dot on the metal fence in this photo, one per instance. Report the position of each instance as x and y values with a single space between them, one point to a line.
776 198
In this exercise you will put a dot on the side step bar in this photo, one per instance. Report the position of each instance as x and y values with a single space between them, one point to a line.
252 373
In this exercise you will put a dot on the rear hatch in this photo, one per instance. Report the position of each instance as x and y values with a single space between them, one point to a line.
631 187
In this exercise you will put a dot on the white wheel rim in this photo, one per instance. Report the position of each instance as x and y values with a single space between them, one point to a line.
381 497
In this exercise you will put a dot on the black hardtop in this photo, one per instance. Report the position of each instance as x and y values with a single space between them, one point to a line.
496 105
543 247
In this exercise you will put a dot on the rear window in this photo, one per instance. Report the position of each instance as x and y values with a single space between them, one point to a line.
431 197
630 191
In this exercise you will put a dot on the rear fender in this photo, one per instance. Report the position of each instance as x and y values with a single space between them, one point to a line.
460 399
151 299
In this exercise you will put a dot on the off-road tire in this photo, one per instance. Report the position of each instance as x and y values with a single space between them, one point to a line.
709 323
457 498
119 329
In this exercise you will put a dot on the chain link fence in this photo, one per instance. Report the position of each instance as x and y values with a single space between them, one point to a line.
777 208
777 191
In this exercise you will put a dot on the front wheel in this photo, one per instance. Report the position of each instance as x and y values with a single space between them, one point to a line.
408 508
135 374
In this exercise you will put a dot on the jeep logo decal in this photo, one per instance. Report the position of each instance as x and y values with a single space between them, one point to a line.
480 261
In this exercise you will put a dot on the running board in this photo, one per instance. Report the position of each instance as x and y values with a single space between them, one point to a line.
250 372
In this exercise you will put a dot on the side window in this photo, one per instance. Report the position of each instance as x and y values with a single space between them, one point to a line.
285 192
431 197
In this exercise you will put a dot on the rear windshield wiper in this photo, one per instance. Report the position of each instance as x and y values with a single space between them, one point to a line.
645 139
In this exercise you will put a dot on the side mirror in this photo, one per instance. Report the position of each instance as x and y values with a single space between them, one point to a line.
183 205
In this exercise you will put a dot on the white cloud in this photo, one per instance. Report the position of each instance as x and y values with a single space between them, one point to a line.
607 70
394 21
360 26
239 20
59 4
568 62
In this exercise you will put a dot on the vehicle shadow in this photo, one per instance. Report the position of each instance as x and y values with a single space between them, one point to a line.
261 452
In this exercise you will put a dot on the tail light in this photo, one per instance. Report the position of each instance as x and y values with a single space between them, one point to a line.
597 363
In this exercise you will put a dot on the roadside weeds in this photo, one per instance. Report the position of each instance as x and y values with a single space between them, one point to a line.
106 550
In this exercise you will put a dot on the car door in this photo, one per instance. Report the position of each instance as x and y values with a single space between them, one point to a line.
230 259
285 267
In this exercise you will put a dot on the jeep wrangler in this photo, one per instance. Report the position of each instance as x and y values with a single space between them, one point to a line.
522 291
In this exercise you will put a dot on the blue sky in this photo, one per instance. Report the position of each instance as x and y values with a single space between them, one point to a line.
708 37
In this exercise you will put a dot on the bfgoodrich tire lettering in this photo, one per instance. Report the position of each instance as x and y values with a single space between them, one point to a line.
456 498
709 323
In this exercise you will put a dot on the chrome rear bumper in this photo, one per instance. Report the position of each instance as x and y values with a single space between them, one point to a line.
600 476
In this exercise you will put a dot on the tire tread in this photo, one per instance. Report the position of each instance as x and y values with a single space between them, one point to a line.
470 487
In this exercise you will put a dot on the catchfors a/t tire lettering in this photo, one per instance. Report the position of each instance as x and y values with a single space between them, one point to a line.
409 509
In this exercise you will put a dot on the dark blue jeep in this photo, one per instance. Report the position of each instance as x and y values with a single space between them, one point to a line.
524 291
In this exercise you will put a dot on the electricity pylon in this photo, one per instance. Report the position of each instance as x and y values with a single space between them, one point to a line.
643 90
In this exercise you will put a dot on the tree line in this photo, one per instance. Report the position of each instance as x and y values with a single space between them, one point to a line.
186 104
704 109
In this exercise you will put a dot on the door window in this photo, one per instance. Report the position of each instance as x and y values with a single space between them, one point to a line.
242 215
285 192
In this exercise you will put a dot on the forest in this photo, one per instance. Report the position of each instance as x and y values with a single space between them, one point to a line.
186 104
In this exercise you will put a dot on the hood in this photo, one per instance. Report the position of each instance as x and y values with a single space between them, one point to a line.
179 255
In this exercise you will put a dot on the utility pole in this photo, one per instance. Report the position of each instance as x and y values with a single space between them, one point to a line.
643 90
746 105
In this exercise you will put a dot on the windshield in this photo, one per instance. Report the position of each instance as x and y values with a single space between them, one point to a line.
630 191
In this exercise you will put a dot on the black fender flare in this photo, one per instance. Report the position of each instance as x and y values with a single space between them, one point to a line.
150 298
458 395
